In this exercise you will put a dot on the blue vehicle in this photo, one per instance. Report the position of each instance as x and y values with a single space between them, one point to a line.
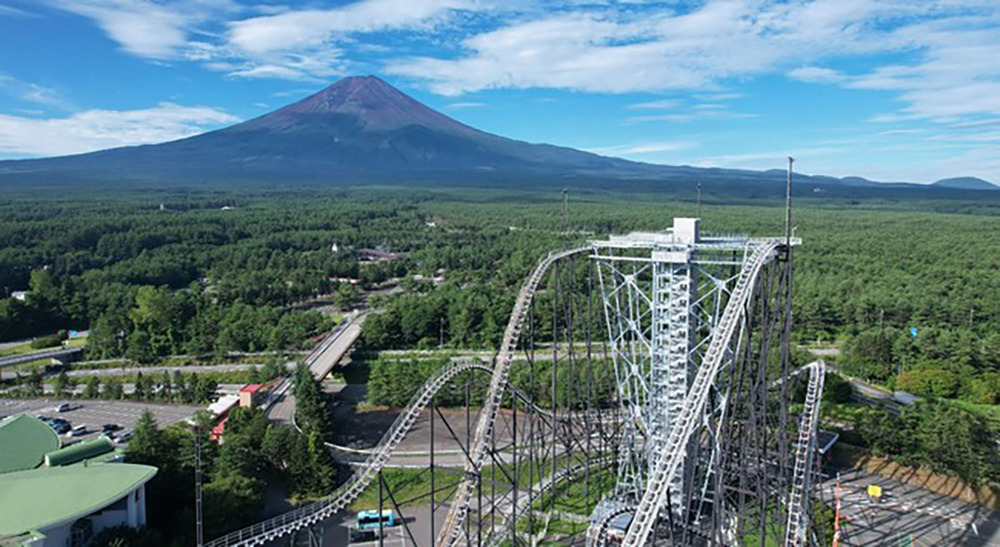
61 426
369 520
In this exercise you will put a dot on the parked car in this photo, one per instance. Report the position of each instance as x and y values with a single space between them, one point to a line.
108 428
78 430
42 417
60 426
62 407
123 438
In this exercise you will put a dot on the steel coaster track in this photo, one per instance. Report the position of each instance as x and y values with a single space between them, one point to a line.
452 530
499 534
669 459
317 511
308 515
798 499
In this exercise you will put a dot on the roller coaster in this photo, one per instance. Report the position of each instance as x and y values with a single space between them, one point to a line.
673 429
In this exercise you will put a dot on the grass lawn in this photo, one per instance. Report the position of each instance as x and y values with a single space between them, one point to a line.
409 487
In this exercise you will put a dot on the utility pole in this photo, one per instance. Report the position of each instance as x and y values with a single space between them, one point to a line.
788 208
199 536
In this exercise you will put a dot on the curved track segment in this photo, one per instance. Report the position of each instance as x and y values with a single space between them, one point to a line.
805 449
289 523
292 521
669 460
452 529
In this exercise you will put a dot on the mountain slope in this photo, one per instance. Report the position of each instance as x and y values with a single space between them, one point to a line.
363 130
357 126
966 183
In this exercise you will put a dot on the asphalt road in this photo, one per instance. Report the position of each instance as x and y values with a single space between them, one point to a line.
908 515
417 519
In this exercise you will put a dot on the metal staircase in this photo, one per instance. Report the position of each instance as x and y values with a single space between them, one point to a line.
673 452
805 449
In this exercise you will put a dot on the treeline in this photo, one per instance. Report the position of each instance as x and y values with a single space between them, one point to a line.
167 387
235 472
393 382
939 362
934 435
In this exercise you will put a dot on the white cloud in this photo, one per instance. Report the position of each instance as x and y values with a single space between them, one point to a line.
603 50
310 28
98 129
146 28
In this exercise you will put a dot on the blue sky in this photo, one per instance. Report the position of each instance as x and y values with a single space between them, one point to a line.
887 89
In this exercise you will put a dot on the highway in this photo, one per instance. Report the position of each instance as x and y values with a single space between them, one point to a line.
321 362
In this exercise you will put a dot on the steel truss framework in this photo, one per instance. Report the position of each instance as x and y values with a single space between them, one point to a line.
604 362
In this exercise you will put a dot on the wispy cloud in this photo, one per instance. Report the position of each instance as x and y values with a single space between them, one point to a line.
662 104
638 149
98 129
698 114
11 11
464 105
33 93
902 131
816 74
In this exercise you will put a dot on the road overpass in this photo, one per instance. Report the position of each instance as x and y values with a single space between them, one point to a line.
22 358
321 361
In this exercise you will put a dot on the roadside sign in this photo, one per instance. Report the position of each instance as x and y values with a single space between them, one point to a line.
874 491
913 332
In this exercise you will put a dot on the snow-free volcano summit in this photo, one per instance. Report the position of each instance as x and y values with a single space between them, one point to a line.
363 130
358 126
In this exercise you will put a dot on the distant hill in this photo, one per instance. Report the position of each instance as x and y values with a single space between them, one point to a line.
966 183
363 130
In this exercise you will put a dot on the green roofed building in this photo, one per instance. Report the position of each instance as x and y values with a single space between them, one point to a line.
61 496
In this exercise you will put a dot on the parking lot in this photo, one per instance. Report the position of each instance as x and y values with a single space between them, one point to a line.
95 414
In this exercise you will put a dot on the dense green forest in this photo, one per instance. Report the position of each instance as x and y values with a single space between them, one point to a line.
210 271
220 271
